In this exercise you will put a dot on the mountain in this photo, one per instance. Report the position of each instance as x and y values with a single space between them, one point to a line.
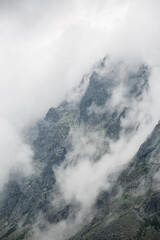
129 208
135 212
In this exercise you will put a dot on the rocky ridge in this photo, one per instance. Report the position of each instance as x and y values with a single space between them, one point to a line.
133 214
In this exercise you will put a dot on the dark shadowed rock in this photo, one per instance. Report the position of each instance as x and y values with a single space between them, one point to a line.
52 115
126 217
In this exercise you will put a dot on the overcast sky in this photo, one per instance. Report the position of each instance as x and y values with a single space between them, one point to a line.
47 46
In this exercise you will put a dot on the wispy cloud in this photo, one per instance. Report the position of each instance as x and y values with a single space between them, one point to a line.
45 50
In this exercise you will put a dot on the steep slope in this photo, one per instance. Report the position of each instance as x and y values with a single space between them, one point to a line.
24 199
131 210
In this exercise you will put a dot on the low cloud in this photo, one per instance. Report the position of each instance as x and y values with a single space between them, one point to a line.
46 48
94 161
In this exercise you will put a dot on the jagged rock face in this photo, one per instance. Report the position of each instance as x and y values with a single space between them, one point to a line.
98 106
135 213
52 115
145 165
24 199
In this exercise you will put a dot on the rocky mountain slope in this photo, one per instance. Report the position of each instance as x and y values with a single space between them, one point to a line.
130 208
135 212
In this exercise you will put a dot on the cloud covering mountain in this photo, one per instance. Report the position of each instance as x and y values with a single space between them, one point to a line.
46 49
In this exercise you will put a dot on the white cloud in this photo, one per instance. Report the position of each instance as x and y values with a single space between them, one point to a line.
45 50
46 47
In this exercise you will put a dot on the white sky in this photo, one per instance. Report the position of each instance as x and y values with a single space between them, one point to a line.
47 46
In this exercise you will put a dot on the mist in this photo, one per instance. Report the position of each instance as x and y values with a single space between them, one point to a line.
46 48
